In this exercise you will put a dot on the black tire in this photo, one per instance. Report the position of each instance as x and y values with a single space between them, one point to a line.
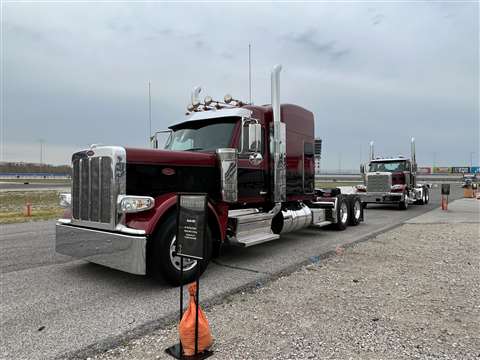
161 265
427 196
355 209
422 200
342 214
403 205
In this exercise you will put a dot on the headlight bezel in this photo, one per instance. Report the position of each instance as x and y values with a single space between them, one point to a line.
130 204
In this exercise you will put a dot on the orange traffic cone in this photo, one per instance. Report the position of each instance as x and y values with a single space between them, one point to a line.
444 203
28 209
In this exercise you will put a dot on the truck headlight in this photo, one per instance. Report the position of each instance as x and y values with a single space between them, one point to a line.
65 200
362 188
133 204
397 187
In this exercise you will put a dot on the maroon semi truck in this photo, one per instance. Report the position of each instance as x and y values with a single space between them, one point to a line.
392 180
256 163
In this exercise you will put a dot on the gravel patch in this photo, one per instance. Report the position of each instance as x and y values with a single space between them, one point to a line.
411 293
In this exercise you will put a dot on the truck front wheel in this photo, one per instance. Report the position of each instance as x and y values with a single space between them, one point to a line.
403 205
162 261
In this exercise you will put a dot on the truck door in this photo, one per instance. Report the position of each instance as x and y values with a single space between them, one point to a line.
252 184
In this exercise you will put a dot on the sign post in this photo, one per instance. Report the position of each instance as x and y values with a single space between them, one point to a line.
190 243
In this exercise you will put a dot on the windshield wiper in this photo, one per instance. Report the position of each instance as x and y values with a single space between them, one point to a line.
194 149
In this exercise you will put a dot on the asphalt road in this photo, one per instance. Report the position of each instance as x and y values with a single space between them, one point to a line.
54 306
6 186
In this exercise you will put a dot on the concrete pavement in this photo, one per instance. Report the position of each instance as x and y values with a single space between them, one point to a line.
459 211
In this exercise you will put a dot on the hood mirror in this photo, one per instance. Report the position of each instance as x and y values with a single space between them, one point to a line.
362 168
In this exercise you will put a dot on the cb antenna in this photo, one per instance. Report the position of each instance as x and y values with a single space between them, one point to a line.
250 73
149 111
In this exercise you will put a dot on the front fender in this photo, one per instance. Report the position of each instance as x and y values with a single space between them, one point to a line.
164 204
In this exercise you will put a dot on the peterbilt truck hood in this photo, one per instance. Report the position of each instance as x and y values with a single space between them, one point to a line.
152 172
174 158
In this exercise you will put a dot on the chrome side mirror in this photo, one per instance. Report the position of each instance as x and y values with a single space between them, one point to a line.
154 138
255 159
254 137
362 168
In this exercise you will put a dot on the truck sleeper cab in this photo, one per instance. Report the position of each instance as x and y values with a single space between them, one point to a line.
256 164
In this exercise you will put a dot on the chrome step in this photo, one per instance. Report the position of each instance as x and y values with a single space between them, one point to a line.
254 239
248 229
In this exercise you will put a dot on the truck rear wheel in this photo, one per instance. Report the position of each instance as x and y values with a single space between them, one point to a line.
427 196
342 214
162 262
355 211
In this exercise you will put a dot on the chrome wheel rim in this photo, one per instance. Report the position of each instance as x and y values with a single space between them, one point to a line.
188 264
357 209
406 200
427 197
343 213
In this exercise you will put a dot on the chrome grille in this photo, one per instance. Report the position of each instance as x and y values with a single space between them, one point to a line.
92 195
378 183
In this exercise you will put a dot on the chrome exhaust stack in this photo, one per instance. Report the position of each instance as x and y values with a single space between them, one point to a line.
372 153
279 141
412 151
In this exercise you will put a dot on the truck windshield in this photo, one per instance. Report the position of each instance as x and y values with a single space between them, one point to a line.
391 166
201 135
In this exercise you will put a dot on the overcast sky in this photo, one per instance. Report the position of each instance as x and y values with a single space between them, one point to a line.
77 73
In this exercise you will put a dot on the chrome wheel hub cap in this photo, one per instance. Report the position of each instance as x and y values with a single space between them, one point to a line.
188 264
357 209
343 213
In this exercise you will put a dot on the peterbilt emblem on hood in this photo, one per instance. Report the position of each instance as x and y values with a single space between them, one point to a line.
90 152
168 171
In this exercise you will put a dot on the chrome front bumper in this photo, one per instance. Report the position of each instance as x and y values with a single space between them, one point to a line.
381 197
118 251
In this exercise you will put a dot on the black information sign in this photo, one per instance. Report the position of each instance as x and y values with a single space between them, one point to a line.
191 225
445 189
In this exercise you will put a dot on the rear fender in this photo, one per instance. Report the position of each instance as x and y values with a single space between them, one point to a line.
166 204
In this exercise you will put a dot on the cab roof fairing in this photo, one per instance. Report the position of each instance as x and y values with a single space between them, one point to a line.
214 114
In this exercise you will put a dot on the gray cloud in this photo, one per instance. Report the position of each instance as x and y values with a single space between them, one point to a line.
377 19
309 39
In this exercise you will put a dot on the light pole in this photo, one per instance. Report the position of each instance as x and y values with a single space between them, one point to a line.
41 150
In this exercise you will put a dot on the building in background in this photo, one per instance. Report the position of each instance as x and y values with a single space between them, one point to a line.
318 155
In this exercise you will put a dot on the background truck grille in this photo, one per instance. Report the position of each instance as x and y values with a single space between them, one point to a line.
378 183
92 194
